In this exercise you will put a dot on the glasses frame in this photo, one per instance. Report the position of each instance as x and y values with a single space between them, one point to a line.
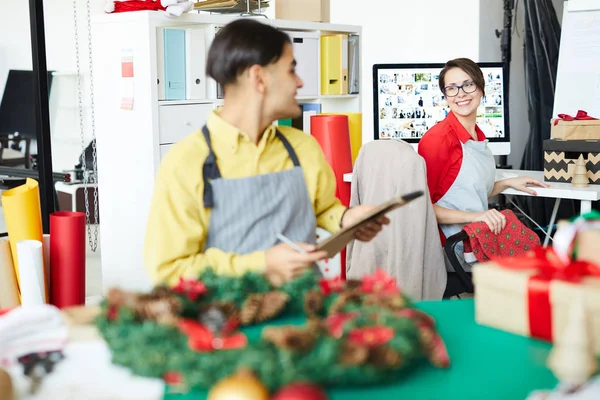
459 87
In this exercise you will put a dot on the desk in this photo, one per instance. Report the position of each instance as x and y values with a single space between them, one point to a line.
486 363
556 191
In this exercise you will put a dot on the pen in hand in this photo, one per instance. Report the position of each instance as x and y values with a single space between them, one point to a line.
316 268
290 243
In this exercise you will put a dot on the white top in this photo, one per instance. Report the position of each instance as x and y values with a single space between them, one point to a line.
555 191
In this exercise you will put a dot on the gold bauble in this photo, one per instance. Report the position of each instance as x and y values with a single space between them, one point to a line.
241 386
6 388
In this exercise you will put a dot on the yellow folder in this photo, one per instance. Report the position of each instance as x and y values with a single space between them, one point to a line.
334 64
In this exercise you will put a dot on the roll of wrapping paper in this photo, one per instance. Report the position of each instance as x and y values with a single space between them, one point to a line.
67 258
355 125
9 290
23 217
31 272
333 134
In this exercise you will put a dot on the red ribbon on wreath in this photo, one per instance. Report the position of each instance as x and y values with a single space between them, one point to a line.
548 267
580 116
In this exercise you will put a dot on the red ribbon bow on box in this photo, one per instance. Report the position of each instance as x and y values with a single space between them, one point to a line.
549 267
581 115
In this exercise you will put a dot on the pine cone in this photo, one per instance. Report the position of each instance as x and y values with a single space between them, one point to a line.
290 337
391 302
353 283
351 296
158 307
383 356
272 305
353 354
313 303
250 308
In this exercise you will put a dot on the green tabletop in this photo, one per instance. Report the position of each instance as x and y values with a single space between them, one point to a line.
486 363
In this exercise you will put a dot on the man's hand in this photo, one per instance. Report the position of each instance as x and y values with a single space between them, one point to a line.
284 263
369 230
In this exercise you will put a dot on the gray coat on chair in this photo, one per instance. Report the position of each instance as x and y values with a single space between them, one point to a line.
408 249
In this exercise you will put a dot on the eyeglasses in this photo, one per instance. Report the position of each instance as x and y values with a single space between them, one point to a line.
467 87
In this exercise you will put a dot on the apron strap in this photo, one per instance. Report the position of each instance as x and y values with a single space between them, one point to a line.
289 148
210 170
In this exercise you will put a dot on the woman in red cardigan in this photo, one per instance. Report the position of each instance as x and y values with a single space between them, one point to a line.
461 170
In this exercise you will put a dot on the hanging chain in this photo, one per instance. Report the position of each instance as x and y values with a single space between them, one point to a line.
94 242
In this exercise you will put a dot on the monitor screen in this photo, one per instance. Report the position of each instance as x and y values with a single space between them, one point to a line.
17 112
408 101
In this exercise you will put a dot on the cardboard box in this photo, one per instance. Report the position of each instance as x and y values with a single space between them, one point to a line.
303 10
575 130
502 301
560 157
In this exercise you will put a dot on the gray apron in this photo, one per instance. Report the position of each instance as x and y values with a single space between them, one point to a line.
247 213
470 190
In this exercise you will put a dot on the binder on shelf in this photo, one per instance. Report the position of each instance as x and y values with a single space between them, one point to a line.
160 60
195 42
302 122
334 64
306 53
353 64
174 44
284 122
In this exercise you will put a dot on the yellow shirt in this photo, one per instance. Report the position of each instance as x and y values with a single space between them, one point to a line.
178 222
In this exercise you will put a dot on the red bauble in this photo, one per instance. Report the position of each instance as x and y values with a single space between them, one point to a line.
300 391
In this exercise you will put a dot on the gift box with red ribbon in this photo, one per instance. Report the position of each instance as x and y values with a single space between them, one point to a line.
530 295
581 126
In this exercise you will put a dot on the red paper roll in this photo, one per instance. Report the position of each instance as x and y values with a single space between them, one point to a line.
333 134
67 259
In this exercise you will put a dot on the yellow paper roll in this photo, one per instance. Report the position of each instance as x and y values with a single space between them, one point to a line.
23 216
355 122
9 291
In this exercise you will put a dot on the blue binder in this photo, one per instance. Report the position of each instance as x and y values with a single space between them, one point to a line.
174 42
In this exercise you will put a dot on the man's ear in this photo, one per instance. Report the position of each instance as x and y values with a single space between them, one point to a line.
257 78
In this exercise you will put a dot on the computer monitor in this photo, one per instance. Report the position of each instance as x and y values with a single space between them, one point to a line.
17 112
407 101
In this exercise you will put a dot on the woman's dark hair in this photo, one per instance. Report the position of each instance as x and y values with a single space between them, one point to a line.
470 67
242 44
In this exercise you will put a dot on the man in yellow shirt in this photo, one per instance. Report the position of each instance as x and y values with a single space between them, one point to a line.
223 193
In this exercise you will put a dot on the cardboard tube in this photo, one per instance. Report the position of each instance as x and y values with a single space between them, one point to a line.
355 125
23 217
9 290
332 133
31 272
67 258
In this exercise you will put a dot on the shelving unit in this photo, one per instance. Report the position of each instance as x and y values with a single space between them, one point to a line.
131 143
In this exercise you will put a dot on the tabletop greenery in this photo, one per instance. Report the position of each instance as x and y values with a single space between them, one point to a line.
354 332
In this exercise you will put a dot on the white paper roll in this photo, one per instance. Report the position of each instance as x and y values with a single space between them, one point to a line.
47 258
31 272
9 289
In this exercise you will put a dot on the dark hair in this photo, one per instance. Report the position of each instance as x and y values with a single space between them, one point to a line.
242 44
470 67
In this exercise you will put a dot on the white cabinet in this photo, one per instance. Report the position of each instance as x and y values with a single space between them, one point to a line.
131 143
178 121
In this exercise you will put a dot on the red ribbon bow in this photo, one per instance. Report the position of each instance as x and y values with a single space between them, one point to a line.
581 115
549 267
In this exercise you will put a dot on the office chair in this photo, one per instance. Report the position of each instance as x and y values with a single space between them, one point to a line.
459 281
14 158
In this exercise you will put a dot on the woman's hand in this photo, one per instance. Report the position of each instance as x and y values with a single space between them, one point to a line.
522 182
493 218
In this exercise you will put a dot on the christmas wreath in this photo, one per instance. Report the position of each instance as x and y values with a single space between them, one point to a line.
355 332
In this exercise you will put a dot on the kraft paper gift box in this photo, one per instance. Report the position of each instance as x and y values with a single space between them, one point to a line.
303 10
514 295
581 235
575 130
560 157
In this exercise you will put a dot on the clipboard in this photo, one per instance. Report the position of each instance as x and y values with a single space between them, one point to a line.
338 241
